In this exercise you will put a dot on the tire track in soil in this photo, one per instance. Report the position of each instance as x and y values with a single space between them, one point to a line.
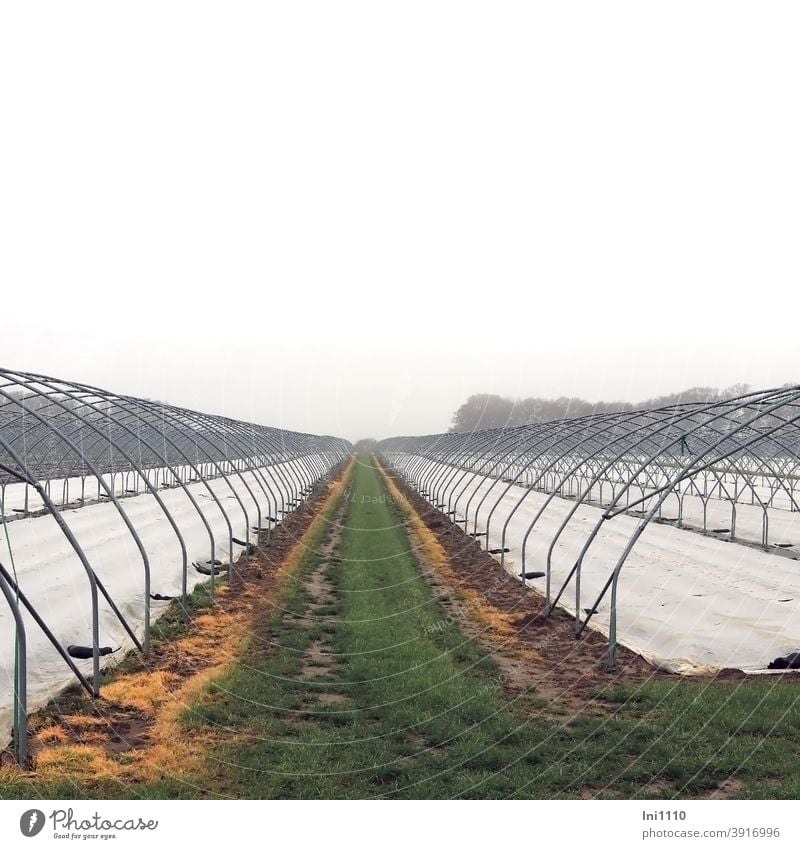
320 662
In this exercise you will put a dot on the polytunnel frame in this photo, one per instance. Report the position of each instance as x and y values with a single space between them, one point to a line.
601 447
94 582
145 645
153 490
608 511
40 380
611 422
233 425
427 466
419 458
542 432
307 459
483 449
582 438
614 578
438 478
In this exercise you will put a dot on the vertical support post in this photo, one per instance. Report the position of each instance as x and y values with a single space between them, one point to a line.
20 679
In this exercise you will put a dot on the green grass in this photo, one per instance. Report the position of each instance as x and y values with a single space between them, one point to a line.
422 713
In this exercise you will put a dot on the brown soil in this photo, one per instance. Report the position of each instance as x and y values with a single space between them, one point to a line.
727 789
320 589
318 660
331 698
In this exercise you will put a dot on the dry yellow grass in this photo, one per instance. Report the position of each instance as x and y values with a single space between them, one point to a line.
494 624
77 762
142 691
215 637
53 734
171 750
81 721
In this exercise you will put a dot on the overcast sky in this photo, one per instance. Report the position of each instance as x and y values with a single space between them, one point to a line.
347 217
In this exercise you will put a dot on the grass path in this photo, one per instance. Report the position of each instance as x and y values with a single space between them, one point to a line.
358 684
374 691
370 690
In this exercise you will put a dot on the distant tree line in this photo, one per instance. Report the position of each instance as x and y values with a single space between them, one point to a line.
483 412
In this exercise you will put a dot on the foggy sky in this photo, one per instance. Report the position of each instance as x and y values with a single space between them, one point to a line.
345 219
